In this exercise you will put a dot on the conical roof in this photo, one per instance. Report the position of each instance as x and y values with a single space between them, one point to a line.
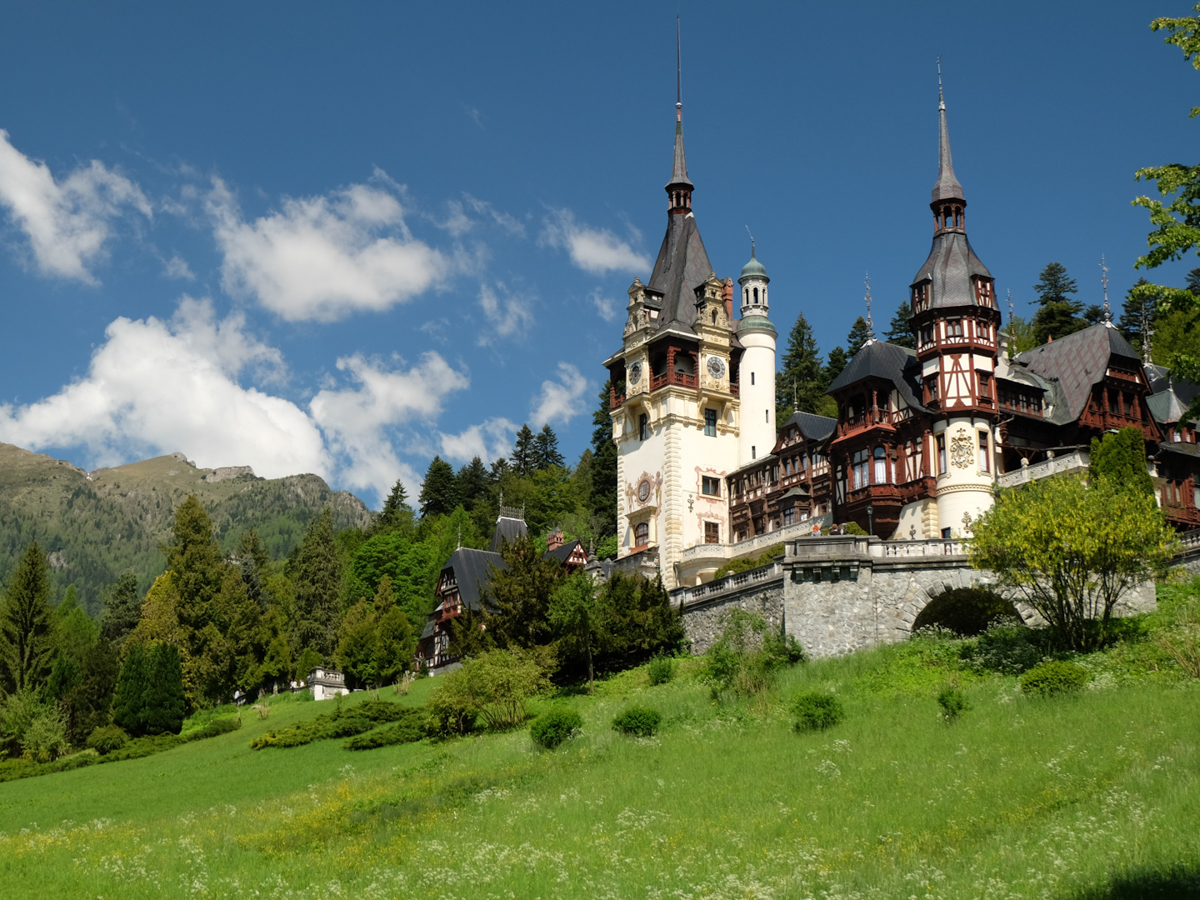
679 173
947 187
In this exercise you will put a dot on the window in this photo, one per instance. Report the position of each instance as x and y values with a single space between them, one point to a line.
641 534
710 422
766 415
941 448
983 452
789 515
946 533
933 388
710 487
753 452
880 466
643 427
859 468
756 295
752 378
954 328
712 533
985 385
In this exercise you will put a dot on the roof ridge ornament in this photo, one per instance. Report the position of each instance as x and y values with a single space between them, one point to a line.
680 187
1104 281
870 323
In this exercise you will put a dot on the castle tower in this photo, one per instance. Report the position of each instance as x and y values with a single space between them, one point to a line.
957 323
757 367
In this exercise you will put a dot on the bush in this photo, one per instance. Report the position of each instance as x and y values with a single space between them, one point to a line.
107 738
638 721
817 711
215 728
661 669
735 566
45 739
953 703
338 724
747 656
552 728
493 687
407 730
1006 647
1054 677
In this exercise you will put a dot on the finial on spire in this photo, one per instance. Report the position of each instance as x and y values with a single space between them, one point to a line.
1104 281
941 99
678 71
680 187
870 323
947 187
749 232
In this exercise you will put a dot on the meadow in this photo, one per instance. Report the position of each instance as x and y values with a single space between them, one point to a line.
1090 796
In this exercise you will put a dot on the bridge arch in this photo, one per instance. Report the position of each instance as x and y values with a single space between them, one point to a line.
965 604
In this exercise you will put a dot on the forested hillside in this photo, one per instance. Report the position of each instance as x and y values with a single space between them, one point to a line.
96 525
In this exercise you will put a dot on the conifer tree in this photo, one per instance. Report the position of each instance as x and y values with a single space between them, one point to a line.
858 336
900 331
1119 458
122 609
316 573
27 624
522 458
163 699
471 483
803 377
1134 312
545 449
195 559
438 494
1058 315
88 706
396 643
837 361
128 704
604 467
396 512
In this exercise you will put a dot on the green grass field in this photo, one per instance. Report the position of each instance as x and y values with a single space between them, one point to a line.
1091 796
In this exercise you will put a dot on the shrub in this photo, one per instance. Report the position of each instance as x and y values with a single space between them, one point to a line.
494 686
552 728
953 703
638 721
817 711
46 737
733 567
214 728
747 656
107 738
1054 677
661 669
338 724
407 730
1006 647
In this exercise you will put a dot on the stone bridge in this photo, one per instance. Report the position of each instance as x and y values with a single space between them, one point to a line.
838 594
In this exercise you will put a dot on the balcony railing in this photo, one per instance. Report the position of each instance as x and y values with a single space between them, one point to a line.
677 379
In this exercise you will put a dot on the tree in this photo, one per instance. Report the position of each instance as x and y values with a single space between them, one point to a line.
522 458
128 708
803 378
163 699
438 494
316 572
494 686
1138 310
836 363
545 449
636 622
858 336
573 612
411 568
88 705
1120 459
358 644
471 483
604 466
397 640
195 559
518 596
1072 550
27 624
1055 286
396 512
1058 314
900 330
122 609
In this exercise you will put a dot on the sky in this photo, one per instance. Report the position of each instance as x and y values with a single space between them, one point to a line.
342 238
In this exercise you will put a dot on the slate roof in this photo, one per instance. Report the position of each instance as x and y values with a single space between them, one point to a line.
563 553
507 529
1161 380
950 266
681 267
812 426
472 569
947 187
1167 407
1077 362
878 359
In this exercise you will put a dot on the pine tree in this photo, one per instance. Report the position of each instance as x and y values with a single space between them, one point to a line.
195 559
88 706
1055 286
396 512
522 458
396 643
163 697
604 467
122 609
316 573
128 704
835 365
802 378
1058 315
900 330
858 336
471 483
27 624
438 493
358 645
545 449
1133 312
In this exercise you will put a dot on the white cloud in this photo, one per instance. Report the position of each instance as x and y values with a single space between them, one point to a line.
458 222
357 421
323 258
607 308
177 267
488 440
67 222
156 387
506 314
595 250
559 400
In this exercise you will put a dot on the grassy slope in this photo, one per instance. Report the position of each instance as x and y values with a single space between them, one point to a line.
117 518
1021 798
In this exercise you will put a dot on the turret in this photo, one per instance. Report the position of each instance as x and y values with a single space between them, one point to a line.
756 375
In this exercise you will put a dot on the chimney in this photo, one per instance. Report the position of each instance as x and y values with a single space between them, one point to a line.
729 301
554 541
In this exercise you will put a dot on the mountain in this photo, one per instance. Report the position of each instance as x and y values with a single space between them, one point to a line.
95 525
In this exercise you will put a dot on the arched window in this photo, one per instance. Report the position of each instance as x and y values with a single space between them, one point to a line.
714 317
880 466
756 295
641 534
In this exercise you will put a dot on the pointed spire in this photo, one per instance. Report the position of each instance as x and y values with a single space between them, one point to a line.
947 187
1012 328
1104 281
680 187
870 322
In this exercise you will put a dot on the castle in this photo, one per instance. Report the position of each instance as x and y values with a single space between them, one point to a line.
922 437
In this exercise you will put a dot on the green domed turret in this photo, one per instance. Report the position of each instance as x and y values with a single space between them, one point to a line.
753 269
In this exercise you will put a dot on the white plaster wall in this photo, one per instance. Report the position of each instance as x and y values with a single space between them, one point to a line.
962 489
757 398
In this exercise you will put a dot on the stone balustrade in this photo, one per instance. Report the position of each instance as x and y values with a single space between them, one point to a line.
1076 461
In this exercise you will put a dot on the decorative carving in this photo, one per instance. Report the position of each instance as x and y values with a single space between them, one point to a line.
961 451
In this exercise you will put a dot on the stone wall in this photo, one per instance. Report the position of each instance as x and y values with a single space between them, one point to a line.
759 591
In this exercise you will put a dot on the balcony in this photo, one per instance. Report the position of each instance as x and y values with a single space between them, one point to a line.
1070 462
672 379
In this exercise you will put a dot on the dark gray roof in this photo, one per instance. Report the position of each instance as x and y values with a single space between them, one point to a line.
1180 448
563 553
507 529
812 426
1076 362
947 187
878 359
1160 379
679 173
1167 406
681 267
950 267
472 571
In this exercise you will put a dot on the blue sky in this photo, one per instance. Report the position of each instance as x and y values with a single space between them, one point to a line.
341 238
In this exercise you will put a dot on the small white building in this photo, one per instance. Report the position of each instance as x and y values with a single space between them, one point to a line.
326 683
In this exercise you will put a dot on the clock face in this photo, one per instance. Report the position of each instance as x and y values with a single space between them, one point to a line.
716 366
643 490
635 373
